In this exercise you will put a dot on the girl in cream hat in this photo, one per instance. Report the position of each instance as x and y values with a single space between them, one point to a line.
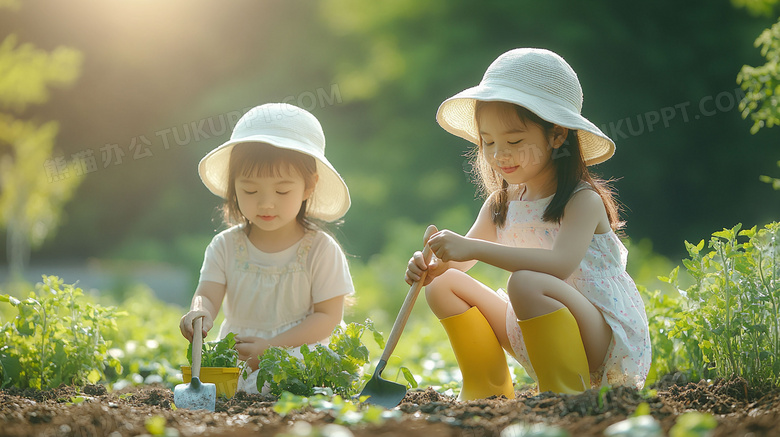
282 279
570 315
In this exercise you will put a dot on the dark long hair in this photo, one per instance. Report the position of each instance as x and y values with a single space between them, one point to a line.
249 159
569 165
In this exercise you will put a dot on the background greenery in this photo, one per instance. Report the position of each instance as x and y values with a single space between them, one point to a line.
149 68
160 80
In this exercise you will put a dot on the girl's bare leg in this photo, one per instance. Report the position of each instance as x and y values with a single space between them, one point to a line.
454 292
534 294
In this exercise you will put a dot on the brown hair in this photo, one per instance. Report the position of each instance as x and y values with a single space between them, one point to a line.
249 159
569 165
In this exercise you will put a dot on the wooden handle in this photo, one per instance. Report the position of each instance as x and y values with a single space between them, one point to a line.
411 297
197 345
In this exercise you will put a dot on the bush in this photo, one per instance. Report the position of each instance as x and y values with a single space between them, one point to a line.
56 338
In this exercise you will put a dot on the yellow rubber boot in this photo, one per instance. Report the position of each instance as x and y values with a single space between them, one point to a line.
480 357
556 352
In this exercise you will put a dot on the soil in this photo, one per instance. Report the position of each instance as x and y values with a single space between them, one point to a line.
739 409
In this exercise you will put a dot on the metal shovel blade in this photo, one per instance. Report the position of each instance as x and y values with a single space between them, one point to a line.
382 392
195 395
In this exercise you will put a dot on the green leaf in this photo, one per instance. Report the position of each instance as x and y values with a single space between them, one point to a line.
75 400
693 424
643 409
692 250
409 377
379 339
289 402
12 369
602 395
726 234
750 233
93 376
156 425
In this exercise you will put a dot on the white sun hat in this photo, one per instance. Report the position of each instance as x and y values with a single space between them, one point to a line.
287 127
538 80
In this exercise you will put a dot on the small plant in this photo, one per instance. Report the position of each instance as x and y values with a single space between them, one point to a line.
733 306
336 366
56 338
220 353
343 411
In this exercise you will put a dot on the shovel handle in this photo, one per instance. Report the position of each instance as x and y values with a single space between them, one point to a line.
411 297
197 345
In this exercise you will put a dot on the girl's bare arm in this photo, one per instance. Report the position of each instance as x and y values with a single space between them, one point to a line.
584 214
206 303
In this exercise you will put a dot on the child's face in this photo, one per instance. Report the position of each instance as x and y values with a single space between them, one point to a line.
272 201
519 151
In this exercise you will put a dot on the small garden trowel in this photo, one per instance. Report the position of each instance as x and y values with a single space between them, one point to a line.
382 392
196 395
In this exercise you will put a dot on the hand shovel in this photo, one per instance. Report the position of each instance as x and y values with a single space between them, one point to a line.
382 392
196 395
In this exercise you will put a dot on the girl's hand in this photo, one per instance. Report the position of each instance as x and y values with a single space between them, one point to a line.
185 324
417 265
250 348
449 246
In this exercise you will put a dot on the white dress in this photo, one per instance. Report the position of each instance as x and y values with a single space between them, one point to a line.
602 279
269 293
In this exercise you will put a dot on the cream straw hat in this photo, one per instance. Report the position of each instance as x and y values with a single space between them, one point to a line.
287 127
540 81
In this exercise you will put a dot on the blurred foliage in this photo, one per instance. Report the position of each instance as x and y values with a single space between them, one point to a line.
765 8
374 75
147 342
762 84
33 185
770 180
27 72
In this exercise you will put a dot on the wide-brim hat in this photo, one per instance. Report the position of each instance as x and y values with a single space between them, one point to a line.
538 80
287 127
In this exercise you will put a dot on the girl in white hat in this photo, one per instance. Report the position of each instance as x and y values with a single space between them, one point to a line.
571 315
282 279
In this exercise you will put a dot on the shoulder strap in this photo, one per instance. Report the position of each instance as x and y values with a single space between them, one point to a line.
303 249
242 253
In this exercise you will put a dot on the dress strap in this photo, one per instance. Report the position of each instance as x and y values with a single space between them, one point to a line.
305 247
242 253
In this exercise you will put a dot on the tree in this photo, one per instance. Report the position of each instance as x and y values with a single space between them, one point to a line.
33 186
